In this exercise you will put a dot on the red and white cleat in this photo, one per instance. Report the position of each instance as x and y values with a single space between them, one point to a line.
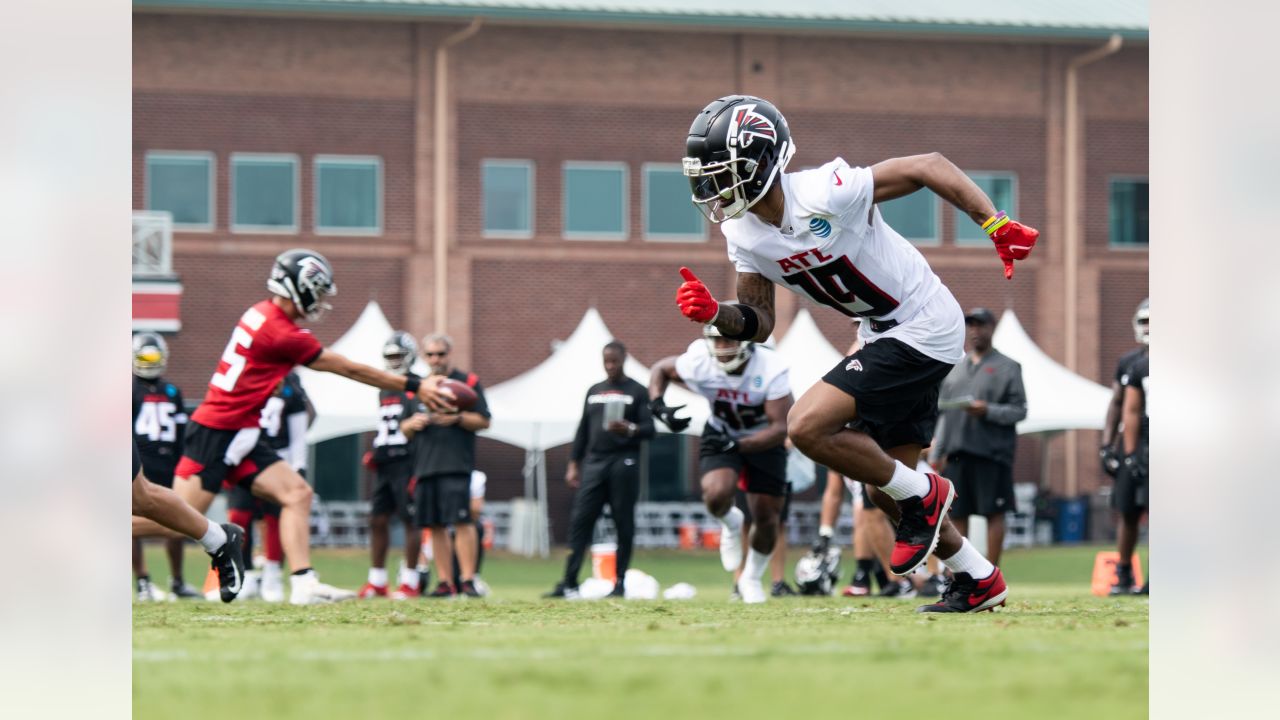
917 533
966 595
404 592
372 591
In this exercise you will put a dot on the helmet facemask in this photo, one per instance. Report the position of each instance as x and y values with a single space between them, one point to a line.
150 355
305 278
729 354
1142 323
400 352
737 147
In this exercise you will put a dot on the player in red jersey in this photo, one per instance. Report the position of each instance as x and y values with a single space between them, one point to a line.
224 443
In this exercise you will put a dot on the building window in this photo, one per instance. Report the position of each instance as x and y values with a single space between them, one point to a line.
348 195
914 216
595 200
508 198
181 184
668 212
1129 213
264 193
1002 189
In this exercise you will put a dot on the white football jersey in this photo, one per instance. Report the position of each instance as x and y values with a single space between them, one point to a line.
737 401
835 249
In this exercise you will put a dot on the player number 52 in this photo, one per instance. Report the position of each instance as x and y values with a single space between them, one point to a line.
226 379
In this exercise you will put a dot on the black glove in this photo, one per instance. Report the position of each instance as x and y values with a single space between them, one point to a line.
821 545
667 415
1136 467
719 442
1110 459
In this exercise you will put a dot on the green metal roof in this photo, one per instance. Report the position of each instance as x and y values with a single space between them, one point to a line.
1066 19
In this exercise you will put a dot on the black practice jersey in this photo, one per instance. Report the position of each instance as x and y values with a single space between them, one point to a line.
1126 361
390 444
592 439
159 422
1138 377
291 399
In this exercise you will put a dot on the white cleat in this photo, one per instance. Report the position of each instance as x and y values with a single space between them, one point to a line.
752 591
272 588
308 590
252 588
148 592
731 543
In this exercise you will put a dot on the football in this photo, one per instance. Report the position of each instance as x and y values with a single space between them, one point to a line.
466 397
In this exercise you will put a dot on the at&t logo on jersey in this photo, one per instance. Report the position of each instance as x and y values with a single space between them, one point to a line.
820 227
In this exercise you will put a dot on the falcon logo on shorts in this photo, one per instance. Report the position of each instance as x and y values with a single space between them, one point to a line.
748 124
854 364
820 227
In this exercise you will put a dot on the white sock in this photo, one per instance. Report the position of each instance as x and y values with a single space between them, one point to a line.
214 537
968 560
408 577
732 519
378 577
271 570
757 563
906 482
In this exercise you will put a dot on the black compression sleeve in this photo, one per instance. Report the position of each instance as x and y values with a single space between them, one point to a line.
412 383
750 323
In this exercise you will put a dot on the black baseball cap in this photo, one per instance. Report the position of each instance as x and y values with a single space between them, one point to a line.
981 316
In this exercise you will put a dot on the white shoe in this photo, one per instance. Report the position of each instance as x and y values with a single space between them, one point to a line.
731 543
308 590
752 591
272 588
252 587
148 592
482 587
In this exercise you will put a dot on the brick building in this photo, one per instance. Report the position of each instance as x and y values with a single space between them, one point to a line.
537 150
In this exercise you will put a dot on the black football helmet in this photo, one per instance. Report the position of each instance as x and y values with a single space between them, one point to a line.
1142 322
737 147
399 352
306 278
150 355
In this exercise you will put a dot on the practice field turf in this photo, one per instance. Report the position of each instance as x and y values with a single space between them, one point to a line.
1054 651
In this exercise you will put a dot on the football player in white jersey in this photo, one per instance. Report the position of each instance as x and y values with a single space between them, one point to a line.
750 394
818 233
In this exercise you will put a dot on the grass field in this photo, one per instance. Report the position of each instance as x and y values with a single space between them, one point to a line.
1054 651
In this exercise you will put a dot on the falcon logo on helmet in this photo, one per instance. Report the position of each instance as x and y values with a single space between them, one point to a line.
747 125
399 352
150 355
306 278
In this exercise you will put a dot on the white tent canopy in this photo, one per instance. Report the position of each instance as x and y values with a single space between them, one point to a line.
1057 399
541 408
346 407
806 351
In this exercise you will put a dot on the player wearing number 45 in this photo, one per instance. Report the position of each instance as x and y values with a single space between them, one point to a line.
819 233
750 394
159 421
224 442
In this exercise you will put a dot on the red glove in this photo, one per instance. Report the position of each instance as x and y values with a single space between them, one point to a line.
695 299
367 460
1014 241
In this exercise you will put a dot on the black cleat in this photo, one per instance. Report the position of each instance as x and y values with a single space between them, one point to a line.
902 589
782 589
443 590
619 591
1124 580
563 591
468 588
228 561
933 587
966 595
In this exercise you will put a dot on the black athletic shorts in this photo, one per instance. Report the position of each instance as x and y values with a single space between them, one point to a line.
1131 493
740 500
983 486
137 462
223 457
391 489
442 500
160 473
239 497
896 387
764 472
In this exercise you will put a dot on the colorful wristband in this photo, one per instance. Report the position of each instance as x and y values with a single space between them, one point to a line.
995 222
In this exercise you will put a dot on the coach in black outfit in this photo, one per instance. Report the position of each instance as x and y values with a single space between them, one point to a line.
605 466
977 441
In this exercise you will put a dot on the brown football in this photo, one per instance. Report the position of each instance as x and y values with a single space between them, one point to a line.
466 397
